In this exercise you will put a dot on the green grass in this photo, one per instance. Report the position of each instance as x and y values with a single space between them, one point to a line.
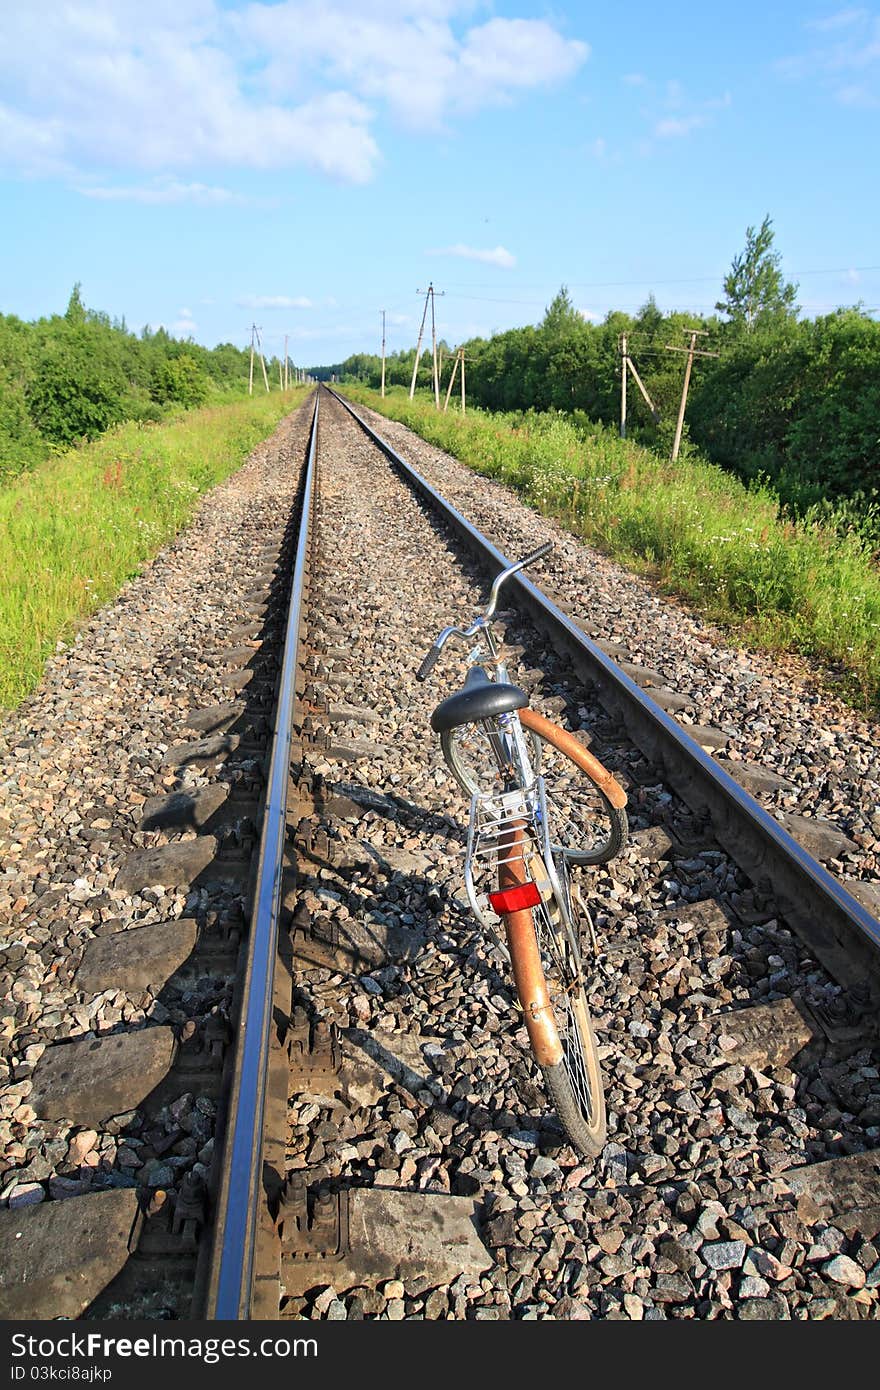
74 530
799 586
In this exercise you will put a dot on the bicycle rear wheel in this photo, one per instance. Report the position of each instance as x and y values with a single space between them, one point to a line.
585 805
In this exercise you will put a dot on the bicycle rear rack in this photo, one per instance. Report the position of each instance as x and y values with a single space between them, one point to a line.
508 828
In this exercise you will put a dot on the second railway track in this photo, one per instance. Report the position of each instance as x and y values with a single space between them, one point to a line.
413 1169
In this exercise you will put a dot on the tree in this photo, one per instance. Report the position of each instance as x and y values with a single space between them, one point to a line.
76 310
649 319
756 292
561 315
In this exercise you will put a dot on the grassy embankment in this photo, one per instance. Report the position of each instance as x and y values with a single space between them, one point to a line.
74 530
779 585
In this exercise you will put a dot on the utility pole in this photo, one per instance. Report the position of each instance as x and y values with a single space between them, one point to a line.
692 352
434 355
412 385
429 295
623 359
285 361
460 360
251 371
451 379
628 364
262 358
383 353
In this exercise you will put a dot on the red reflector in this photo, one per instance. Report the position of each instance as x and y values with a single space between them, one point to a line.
513 899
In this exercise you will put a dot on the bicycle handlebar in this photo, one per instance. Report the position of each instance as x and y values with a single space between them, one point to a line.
537 554
430 661
428 664
512 569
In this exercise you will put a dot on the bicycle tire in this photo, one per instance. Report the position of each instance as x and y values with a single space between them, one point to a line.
596 828
575 1084
548 976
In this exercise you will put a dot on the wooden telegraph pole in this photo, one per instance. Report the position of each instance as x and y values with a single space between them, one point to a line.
460 359
623 360
412 385
451 379
285 361
383 352
434 356
692 352
262 358
437 364
251 371
429 296
627 364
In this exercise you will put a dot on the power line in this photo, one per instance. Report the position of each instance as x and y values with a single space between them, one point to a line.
678 280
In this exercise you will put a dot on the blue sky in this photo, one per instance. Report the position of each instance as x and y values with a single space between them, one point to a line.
206 164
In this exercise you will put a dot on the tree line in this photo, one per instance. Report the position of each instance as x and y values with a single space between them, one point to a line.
71 376
789 400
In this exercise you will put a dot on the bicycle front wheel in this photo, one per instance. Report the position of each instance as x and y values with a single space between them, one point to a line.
586 806
574 1084
545 954
475 757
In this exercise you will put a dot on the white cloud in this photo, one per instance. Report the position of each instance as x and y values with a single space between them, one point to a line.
184 327
506 54
410 56
498 255
841 20
274 301
858 94
672 126
308 335
845 60
676 114
170 192
105 85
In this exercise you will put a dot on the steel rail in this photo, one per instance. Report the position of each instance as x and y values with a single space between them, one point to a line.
841 933
238 1210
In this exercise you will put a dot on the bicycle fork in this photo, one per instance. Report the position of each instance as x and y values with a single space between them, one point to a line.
514 886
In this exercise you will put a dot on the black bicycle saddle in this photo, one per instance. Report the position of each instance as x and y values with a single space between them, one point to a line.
481 698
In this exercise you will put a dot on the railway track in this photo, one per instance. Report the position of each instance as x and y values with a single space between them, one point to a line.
404 1165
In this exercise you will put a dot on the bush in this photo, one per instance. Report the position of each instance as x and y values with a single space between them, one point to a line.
78 388
179 381
21 446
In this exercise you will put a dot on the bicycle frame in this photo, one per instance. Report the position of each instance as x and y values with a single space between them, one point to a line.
491 814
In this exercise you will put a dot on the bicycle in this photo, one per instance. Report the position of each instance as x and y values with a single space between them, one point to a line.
540 805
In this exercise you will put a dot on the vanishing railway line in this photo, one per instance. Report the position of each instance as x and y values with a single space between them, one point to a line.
353 1133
